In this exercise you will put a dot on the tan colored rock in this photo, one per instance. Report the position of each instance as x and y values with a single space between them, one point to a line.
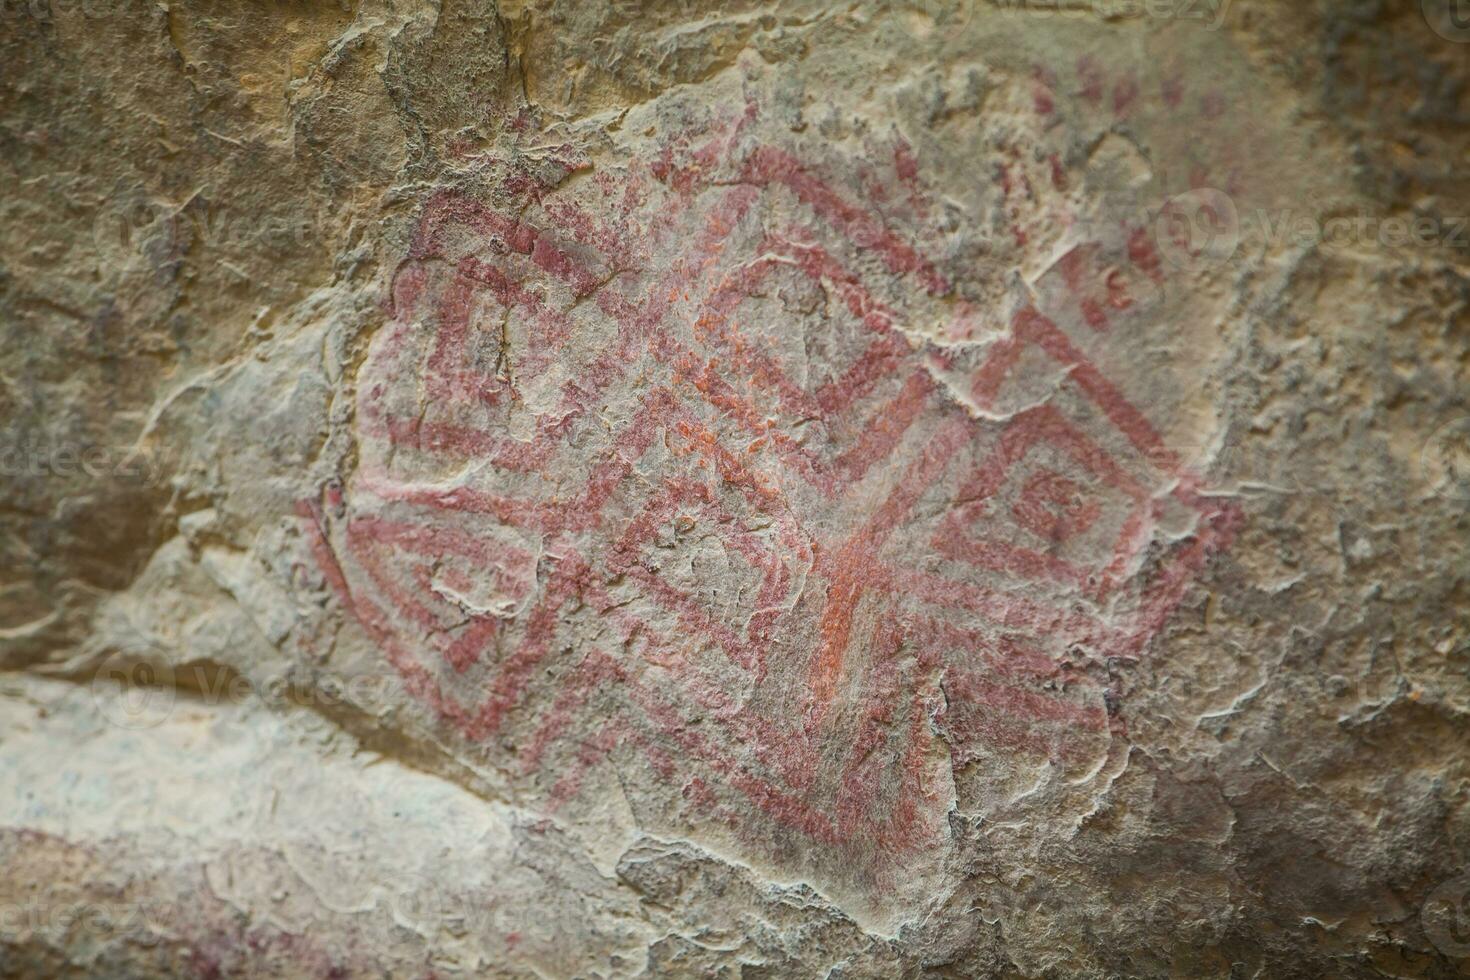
966 489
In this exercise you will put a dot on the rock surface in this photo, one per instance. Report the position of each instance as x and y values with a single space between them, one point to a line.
960 488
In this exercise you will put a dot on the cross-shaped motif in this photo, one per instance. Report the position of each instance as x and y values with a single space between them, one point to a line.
670 465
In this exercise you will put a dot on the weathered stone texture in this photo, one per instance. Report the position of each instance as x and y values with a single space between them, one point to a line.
971 488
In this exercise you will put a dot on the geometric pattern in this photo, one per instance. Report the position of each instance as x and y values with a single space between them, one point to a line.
691 418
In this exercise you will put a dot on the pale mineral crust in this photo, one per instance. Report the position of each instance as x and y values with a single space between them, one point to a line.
942 488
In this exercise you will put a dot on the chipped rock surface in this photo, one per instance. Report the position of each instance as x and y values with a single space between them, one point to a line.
963 488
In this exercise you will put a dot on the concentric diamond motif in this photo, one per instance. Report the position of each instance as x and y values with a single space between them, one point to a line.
652 477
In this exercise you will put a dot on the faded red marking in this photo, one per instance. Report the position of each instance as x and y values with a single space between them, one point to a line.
1058 172
985 712
774 769
769 164
1030 428
1172 89
1090 77
1052 507
851 568
1083 276
1125 94
1044 84
691 497
833 397
1143 253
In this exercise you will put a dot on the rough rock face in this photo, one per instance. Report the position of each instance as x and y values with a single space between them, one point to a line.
962 488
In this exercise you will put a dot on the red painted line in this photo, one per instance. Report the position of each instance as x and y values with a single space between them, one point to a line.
748 651
767 164
1003 717
1024 704
1001 359
785 808
1143 254
634 321
467 650
1139 431
1125 95
418 681
366 559
692 617
321 549
1164 594
1058 173
879 771
435 541
1051 507
785 752
590 674
877 362
952 541
1005 609
850 568
791 758
1024 432
448 207
862 770
515 672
